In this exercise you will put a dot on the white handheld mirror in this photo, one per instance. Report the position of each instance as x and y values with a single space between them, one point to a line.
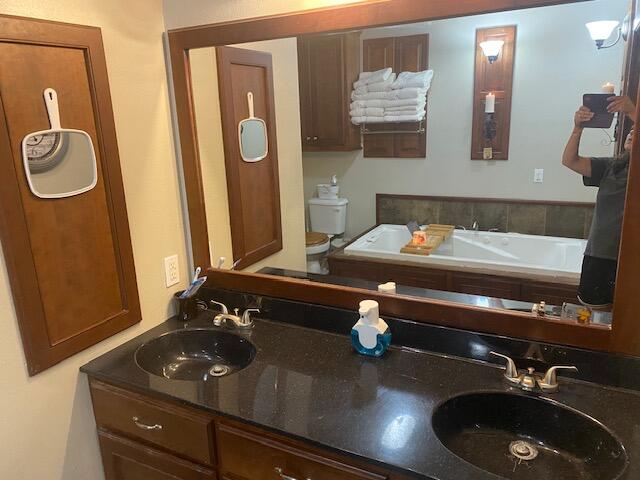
59 162
252 134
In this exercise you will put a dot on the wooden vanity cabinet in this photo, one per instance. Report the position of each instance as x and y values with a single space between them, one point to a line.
328 65
145 438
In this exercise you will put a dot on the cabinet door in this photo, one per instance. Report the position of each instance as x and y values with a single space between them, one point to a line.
378 53
411 55
326 91
124 459
403 54
304 85
328 65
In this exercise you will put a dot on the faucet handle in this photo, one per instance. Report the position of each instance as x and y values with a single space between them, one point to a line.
550 381
511 372
223 307
246 316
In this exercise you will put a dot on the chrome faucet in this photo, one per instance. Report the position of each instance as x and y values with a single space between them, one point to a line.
233 320
475 226
528 380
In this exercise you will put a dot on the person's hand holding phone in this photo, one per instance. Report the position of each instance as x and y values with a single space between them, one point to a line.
583 115
622 104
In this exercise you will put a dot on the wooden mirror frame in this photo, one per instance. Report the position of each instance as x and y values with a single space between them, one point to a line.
622 337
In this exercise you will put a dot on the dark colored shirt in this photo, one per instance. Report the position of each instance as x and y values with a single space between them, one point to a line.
610 176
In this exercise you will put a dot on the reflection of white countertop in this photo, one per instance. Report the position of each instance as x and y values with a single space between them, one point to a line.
549 259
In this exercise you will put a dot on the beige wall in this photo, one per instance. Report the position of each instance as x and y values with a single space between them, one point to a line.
47 430
205 92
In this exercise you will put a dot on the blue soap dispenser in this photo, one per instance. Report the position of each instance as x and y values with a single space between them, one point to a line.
371 335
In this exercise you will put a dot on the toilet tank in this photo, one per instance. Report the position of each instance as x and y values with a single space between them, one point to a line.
328 215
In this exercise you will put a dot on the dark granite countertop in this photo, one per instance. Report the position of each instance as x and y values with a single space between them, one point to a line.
311 385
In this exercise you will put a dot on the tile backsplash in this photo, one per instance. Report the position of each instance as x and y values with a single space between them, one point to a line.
555 219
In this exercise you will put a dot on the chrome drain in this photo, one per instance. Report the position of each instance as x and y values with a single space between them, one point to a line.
523 450
218 370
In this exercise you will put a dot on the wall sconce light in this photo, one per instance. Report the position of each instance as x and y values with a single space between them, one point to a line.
602 30
492 49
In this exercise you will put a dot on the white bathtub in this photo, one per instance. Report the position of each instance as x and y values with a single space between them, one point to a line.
507 254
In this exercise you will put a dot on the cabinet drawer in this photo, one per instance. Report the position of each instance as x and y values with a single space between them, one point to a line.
180 430
125 459
246 455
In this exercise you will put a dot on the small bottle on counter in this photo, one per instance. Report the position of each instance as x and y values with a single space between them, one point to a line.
389 287
370 335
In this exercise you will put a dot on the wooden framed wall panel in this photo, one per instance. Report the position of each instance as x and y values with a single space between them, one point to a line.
622 337
70 260
403 54
253 188
496 78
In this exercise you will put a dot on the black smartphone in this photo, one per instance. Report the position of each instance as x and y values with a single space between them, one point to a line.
598 103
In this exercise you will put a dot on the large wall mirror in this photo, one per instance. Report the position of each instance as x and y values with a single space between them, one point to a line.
498 149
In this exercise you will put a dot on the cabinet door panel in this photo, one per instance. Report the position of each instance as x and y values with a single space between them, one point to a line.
253 187
326 67
256 457
411 55
304 85
403 54
51 243
124 459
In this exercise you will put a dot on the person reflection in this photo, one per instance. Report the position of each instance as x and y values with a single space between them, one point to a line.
600 262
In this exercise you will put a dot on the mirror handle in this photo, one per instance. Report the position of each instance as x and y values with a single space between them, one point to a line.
51 101
250 103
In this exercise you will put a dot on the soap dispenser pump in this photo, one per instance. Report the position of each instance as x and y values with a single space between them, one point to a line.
370 335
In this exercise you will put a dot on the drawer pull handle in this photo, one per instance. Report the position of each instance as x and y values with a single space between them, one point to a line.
280 472
144 426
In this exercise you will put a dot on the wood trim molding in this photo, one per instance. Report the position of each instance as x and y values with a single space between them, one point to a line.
622 337
496 78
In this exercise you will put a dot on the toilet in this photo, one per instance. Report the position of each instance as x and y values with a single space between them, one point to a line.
328 219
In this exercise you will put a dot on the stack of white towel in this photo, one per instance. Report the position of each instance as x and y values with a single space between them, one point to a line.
382 97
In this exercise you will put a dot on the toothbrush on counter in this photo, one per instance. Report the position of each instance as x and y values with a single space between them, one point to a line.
195 285
196 274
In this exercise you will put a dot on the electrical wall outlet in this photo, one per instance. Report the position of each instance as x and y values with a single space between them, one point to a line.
171 270
538 175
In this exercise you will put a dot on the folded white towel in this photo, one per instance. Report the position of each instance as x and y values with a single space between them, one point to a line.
406 110
376 87
413 79
367 112
404 118
411 92
361 120
367 104
382 86
404 102
367 78
400 94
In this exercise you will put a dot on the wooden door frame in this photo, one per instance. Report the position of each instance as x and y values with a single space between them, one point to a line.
623 337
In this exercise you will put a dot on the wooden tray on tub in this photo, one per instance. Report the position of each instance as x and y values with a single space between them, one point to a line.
436 234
